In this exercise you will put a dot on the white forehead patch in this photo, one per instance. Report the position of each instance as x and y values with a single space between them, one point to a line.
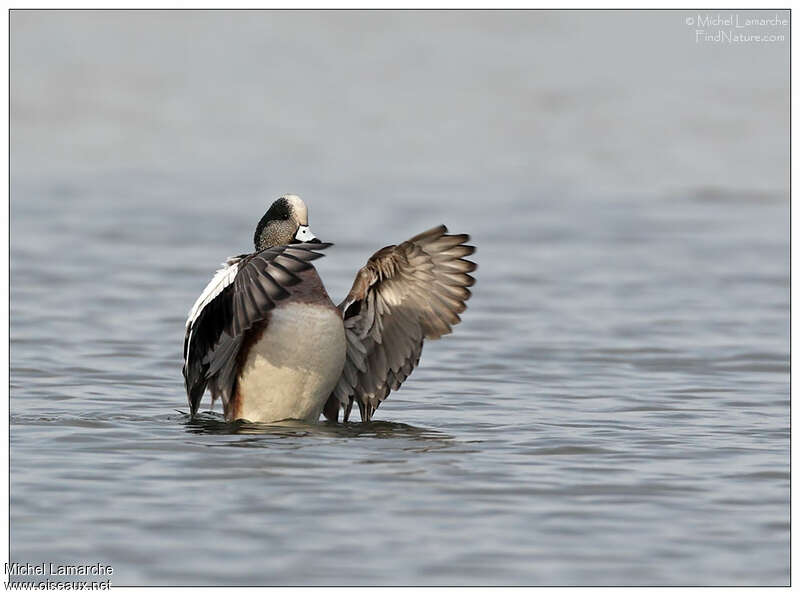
299 208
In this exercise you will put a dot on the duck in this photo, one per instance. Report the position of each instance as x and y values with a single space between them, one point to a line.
265 338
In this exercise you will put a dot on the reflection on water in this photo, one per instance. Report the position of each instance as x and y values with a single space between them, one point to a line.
215 423
613 408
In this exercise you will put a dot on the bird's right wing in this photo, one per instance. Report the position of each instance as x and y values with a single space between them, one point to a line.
239 296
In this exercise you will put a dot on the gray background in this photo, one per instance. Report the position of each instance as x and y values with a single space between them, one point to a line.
614 406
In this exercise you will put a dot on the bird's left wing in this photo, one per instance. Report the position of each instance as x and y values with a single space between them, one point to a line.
402 296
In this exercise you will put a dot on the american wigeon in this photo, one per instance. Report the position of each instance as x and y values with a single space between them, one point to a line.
265 337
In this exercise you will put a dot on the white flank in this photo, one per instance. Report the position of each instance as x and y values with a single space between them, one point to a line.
221 280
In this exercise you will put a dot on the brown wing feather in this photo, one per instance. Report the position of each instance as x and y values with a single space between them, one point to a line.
402 296
215 332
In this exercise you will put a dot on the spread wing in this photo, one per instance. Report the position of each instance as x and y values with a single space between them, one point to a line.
404 295
240 295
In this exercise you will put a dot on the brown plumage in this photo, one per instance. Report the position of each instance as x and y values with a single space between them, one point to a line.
405 294
265 337
215 334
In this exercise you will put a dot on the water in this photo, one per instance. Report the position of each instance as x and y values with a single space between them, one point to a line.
613 408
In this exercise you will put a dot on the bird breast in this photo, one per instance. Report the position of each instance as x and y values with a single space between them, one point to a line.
293 366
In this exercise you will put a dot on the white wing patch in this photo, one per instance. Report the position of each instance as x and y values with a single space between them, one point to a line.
221 280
